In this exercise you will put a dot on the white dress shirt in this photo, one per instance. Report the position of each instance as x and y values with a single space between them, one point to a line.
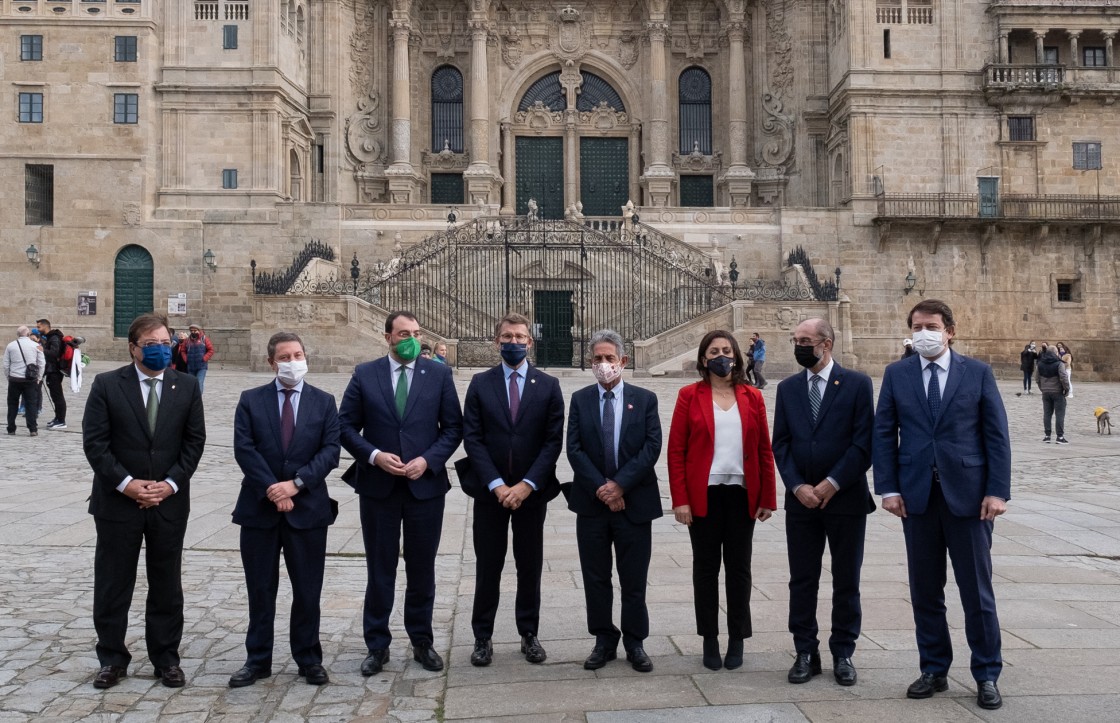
822 385
145 390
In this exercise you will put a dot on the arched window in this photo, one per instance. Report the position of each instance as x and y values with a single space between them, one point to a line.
695 94
300 25
593 90
295 177
447 109
285 12
548 91
133 272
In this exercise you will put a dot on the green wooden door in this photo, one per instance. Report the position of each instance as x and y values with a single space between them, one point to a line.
553 316
132 287
697 191
604 175
447 188
540 175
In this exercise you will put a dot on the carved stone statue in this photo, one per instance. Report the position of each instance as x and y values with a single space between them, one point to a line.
531 213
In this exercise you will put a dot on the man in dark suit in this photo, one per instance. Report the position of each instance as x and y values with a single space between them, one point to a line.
285 439
942 459
614 440
401 421
513 430
143 433
822 446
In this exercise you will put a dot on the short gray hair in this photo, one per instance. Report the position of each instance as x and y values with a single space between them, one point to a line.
23 331
609 336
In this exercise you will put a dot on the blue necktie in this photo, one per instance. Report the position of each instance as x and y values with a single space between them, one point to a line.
610 466
815 396
933 393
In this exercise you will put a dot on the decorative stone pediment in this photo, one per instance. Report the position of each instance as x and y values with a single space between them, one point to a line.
539 118
604 118
446 159
697 162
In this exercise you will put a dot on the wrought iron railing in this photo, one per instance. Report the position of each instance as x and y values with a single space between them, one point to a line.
822 290
1010 207
282 282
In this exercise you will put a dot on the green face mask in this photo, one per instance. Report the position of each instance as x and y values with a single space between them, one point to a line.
408 349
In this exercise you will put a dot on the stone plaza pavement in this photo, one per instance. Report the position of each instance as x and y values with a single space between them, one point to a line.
1057 583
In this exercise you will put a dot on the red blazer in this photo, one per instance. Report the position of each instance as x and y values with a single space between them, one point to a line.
692 447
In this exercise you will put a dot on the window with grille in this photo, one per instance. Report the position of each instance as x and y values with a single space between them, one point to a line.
695 95
31 47
229 37
1020 128
124 48
1093 57
447 109
229 178
1087 156
126 108
30 107
38 198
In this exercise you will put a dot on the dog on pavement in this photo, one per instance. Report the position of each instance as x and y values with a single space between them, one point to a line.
1103 420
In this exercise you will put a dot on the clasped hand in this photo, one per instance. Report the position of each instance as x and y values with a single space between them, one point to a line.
281 494
814 497
512 497
392 464
148 492
610 493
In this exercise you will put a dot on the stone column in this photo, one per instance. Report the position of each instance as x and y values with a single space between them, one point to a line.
1108 37
1039 52
404 183
1075 58
659 177
479 176
507 169
635 159
1003 49
737 179
571 160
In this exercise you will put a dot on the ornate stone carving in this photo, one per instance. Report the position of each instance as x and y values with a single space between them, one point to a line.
779 149
603 117
628 46
132 214
538 117
697 162
781 48
446 159
364 132
572 34
361 43
512 48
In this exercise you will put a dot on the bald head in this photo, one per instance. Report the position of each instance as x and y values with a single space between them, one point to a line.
23 331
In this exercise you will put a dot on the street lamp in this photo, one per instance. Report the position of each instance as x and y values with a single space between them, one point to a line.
33 255
210 259
733 274
910 281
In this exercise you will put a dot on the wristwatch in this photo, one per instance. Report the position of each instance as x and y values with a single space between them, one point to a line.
298 483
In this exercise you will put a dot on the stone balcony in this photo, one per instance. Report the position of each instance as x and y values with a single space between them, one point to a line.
1001 79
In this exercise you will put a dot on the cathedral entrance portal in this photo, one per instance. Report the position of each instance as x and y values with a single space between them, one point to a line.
540 176
604 176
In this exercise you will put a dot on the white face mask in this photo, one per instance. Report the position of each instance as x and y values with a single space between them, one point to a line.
606 373
928 343
291 373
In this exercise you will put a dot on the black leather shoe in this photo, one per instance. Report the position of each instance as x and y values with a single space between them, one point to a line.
712 659
734 657
315 674
805 666
532 649
247 676
375 661
927 685
844 671
639 660
483 652
171 676
109 676
987 695
599 657
427 657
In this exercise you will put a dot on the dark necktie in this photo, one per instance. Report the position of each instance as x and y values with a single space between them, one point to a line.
287 420
153 404
402 391
933 393
814 396
514 396
610 464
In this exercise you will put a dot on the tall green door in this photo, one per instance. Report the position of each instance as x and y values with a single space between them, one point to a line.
604 175
132 287
553 316
540 175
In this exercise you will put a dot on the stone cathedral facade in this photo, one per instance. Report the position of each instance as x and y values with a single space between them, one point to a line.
171 154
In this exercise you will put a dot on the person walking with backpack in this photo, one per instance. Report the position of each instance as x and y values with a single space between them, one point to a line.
23 362
52 373
197 350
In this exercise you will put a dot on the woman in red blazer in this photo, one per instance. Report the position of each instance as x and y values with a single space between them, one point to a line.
721 477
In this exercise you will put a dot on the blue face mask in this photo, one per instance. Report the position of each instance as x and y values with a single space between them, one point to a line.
513 353
156 357
721 365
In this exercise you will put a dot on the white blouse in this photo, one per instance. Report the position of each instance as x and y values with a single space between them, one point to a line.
727 460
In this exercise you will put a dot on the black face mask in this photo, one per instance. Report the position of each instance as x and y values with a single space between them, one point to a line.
513 353
720 366
806 356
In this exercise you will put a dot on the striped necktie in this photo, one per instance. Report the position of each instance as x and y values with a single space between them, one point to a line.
814 396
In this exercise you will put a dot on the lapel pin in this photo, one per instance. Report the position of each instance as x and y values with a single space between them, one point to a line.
629 406
837 382
423 371
532 381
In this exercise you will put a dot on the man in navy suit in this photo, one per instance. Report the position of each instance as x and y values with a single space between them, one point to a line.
513 429
943 464
822 446
285 438
401 421
143 434
614 440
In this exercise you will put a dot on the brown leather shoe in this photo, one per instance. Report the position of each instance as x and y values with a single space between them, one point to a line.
171 676
109 676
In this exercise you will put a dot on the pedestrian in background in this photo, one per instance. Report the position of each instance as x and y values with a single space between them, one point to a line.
23 363
758 353
907 348
1054 387
196 351
51 339
1027 359
1067 366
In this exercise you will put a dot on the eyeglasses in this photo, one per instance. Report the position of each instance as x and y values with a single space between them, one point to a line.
153 344
517 338
804 341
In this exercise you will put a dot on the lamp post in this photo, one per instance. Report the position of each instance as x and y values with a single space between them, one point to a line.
910 281
33 255
210 259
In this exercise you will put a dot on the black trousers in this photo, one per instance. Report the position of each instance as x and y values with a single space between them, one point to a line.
305 554
383 522
58 399
114 581
806 535
633 544
491 540
1053 405
28 391
726 533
